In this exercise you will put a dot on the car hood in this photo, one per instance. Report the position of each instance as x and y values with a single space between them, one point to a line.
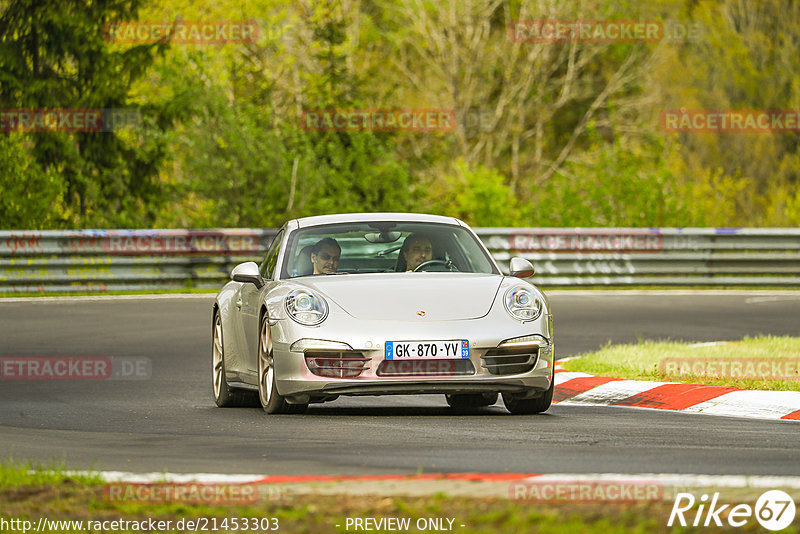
405 296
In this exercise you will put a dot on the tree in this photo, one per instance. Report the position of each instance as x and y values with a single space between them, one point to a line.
746 59
243 154
58 58
536 98
32 197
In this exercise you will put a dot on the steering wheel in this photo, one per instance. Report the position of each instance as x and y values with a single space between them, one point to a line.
448 264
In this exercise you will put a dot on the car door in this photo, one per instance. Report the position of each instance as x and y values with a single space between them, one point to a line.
251 298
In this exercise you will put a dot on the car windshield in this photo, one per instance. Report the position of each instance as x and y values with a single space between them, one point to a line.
384 247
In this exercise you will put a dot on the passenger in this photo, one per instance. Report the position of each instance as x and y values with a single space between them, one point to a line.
416 250
325 256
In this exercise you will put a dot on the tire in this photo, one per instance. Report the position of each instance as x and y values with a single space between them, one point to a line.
272 401
519 406
224 396
470 400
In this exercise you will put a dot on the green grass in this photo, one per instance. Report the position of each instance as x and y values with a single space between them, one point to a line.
682 362
17 474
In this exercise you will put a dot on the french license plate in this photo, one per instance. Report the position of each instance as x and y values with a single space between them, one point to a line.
427 350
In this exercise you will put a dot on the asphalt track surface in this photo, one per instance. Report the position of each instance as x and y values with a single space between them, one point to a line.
170 423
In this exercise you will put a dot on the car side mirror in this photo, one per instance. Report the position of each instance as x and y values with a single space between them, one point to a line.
247 272
520 267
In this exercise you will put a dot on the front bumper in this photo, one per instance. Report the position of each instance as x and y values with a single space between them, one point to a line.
299 384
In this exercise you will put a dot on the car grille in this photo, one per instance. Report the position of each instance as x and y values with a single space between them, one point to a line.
425 368
511 360
344 364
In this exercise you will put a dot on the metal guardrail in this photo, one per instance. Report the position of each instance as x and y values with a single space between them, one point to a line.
652 256
126 260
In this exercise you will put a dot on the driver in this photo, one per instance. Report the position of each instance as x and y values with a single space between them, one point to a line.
325 256
416 250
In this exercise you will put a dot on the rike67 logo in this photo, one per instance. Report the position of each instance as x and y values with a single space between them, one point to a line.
774 510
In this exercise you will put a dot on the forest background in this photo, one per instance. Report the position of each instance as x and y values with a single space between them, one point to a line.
547 133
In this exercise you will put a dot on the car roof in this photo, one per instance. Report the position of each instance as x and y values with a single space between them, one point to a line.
370 217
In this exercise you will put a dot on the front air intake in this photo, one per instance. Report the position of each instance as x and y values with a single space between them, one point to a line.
510 360
339 364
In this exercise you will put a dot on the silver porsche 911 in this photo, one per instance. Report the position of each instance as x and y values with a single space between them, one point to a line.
381 304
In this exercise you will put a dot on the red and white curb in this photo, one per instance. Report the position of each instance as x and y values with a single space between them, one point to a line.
574 388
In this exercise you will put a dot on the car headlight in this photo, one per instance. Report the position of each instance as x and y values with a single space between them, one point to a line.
306 307
522 303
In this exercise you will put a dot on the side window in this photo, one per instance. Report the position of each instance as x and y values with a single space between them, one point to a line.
271 259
